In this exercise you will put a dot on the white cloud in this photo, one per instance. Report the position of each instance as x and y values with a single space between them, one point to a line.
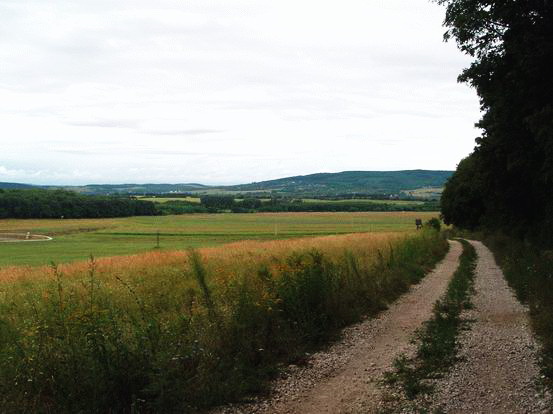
227 90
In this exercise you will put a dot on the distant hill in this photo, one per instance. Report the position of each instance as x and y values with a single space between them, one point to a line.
15 186
137 188
103 189
322 184
367 182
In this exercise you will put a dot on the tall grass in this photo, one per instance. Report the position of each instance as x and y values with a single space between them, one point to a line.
529 272
167 332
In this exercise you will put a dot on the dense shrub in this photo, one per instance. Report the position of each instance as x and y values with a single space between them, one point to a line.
434 223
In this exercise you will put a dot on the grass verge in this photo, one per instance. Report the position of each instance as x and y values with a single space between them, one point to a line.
529 271
182 333
437 339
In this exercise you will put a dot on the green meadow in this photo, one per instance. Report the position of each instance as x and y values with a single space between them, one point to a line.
78 239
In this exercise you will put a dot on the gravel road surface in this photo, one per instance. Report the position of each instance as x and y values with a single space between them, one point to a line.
344 378
498 371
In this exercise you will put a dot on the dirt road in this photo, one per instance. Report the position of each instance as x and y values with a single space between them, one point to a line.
498 370
497 373
344 378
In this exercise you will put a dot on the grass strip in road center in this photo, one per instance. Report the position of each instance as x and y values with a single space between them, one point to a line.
437 340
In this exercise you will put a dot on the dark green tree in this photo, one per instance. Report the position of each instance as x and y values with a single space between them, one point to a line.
462 201
218 202
38 203
511 169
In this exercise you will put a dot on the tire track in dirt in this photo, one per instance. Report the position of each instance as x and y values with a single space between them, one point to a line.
344 378
498 369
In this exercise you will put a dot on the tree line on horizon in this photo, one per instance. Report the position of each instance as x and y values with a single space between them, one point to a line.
240 204
36 203
39 203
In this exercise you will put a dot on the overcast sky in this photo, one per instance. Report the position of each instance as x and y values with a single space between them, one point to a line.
227 91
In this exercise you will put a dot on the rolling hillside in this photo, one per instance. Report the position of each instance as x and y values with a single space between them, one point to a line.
347 182
15 186
104 189
322 184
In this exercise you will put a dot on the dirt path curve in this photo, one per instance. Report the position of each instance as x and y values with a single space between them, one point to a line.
498 371
343 379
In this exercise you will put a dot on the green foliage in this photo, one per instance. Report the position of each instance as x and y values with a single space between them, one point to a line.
463 199
219 204
251 203
530 272
345 206
503 184
437 340
215 203
177 340
434 223
67 204
179 207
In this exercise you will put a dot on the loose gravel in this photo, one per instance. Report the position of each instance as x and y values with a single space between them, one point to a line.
498 371
345 377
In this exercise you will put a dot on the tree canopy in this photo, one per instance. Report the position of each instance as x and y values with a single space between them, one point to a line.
505 184
67 204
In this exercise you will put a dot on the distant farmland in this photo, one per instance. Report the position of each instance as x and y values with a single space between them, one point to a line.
167 199
77 239
358 201
361 201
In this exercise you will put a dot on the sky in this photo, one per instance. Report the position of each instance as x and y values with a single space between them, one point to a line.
227 91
